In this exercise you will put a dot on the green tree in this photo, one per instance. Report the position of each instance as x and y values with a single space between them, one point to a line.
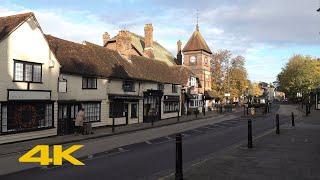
300 75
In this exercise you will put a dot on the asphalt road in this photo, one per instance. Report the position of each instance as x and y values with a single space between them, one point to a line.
155 158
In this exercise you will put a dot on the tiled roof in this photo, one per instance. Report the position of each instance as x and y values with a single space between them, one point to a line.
196 43
160 53
94 60
9 23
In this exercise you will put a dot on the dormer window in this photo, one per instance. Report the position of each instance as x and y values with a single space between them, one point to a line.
27 72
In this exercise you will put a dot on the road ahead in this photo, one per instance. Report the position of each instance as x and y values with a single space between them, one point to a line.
154 158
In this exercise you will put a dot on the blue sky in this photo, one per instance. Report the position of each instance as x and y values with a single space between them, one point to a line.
266 33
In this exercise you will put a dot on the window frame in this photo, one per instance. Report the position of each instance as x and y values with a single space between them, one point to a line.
175 88
24 63
125 89
92 102
87 82
160 86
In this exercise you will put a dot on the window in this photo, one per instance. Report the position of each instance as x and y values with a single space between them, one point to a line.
193 81
134 110
196 102
21 117
89 83
92 112
170 107
116 109
175 88
128 86
160 87
27 72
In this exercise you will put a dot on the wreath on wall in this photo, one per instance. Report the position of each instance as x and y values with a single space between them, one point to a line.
22 119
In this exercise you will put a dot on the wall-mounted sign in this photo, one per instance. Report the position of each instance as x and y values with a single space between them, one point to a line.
29 95
227 94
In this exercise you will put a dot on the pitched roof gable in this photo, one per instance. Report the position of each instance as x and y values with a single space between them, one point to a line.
196 43
9 23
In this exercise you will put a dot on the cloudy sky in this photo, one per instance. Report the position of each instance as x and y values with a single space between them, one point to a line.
265 32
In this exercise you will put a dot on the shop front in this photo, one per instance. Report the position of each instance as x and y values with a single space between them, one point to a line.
171 106
68 110
124 109
152 105
26 111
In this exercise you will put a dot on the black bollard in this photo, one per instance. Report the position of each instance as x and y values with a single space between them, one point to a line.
204 111
113 125
292 119
277 124
178 174
196 114
244 110
178 119
151 121
250 133
307 110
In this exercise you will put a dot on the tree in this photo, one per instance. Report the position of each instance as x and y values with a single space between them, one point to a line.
300 75
228 74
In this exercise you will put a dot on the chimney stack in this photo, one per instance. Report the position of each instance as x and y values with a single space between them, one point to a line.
148 40
179 53
123 43
105 38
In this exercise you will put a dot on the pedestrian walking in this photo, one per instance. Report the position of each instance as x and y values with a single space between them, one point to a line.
80 117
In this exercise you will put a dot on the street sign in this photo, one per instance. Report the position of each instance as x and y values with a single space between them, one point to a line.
227 94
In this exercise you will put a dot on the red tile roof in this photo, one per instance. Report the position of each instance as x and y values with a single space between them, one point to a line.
196 43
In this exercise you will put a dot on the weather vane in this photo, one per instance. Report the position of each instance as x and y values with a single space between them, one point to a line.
197 15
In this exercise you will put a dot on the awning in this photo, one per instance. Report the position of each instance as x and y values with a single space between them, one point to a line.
208 95
191 96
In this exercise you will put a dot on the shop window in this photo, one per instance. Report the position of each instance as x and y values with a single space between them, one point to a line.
27 72
89 83
21 117
116 109
170 107
128 86
134 110
92 112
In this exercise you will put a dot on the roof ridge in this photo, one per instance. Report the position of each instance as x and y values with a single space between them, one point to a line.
21 14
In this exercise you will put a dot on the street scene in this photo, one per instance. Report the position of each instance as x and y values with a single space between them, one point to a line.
139 89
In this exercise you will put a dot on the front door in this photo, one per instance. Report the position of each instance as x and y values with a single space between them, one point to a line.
151 108
67 114
126 112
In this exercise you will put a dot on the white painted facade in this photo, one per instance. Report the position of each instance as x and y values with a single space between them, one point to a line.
27 43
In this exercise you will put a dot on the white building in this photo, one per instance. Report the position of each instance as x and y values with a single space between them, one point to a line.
28 81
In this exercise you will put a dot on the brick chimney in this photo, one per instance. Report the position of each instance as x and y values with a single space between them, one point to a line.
148 40
123 43
105 38
179 53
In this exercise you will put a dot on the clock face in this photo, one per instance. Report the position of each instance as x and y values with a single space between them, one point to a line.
193 59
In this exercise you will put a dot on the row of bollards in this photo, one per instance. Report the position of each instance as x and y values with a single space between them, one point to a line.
277 128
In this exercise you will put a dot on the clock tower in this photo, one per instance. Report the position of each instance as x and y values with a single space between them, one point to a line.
197 56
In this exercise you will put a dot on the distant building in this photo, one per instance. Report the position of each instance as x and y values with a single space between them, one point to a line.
128 43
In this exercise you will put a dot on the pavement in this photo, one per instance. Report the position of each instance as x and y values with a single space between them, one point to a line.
103 139
294 154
